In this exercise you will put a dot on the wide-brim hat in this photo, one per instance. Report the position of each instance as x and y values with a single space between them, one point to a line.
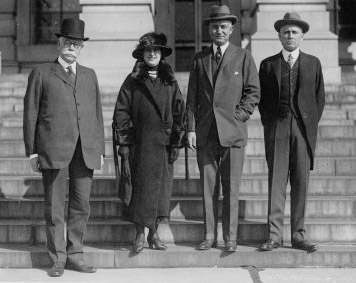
219 13
152 39
72 28
291 18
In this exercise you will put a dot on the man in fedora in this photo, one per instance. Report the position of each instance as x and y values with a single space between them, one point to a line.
223 91
64 135
292 102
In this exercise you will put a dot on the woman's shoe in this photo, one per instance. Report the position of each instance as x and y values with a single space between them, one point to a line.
138 243
154 242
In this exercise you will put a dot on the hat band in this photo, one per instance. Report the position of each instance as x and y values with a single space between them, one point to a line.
220 15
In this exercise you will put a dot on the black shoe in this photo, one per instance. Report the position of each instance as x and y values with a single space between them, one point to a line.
56 270
206 245
230 246
154 242
305 246
270 245
79 265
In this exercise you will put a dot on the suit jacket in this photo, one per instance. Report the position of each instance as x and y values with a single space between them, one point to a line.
231 102
57 113
310 94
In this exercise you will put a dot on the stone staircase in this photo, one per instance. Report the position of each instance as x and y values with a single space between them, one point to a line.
331 210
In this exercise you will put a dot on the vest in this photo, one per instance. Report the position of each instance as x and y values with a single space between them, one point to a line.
289 80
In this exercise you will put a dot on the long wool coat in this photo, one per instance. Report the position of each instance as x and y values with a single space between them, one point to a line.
57 113
149 117
310 94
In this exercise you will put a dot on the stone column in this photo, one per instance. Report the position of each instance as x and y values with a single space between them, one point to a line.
318 41
114 27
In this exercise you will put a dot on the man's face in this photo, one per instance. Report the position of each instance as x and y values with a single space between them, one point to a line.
220 31
291 36
69 49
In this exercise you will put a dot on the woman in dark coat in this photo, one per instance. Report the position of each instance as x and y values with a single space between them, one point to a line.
149 125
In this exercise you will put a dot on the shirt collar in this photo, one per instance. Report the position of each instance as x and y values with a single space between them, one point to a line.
65 65
295 54
222 47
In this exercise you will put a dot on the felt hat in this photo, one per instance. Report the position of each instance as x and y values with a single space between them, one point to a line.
219 13
72 28
152 39
291 18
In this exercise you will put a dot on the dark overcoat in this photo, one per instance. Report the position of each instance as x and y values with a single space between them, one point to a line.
231 102
149 117
57 113
310 94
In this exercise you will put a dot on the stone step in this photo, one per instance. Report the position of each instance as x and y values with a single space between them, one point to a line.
255 147
117 231
255 131
105 186
187 207
185 256
332 166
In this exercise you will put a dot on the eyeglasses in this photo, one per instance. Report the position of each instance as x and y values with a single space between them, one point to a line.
67 43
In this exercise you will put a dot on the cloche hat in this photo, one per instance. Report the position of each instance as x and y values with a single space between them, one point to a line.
152 39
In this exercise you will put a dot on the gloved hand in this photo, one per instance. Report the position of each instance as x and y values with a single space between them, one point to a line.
173 154
123 151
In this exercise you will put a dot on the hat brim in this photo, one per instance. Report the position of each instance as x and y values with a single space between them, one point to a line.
232 18
280 23
165 50
72 37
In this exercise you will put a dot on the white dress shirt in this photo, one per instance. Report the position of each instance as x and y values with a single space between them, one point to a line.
294 53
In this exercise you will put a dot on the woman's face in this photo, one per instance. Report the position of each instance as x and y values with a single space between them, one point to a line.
152 56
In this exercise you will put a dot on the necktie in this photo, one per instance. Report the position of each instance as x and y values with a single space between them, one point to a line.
71 74
290 60
218 55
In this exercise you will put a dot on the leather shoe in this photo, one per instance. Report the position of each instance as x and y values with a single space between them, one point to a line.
305 246
206 245
270 245
56 270
230 246
80 266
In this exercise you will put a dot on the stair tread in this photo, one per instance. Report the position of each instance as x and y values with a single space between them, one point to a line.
244 197
118 221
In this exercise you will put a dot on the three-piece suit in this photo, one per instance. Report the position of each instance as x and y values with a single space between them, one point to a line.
292 102
63 124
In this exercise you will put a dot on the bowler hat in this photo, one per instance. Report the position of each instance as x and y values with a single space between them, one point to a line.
291 18
219 13
72 28
152 39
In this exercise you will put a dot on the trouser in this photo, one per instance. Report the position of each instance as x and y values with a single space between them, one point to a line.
220 163
55 183
287 156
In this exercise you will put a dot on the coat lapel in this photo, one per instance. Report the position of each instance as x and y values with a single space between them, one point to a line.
276 67
229 54
207 65
153 94
61 73
80 80
303 68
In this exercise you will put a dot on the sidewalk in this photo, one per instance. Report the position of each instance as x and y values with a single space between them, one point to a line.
189 275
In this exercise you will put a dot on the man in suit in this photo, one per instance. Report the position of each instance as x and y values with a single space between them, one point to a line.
223 91
292 102
63 133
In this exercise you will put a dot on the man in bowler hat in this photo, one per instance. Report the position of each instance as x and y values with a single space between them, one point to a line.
223 91
64 135
292 102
